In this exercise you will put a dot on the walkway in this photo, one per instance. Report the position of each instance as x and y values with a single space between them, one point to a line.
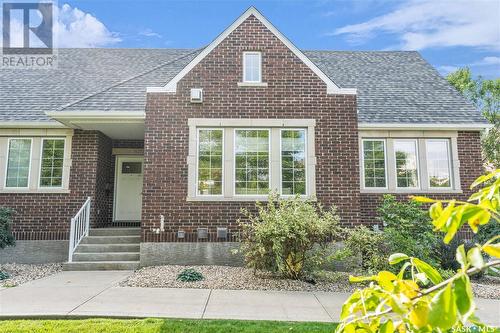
94 294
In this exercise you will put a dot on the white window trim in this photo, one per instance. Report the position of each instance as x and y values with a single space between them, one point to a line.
36 135
419 176
229 125
450 162
40 167
305 162
245 80
363 184
7 164
421 136
269 133
197 160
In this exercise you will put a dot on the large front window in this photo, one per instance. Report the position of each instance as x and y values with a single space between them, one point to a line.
246 159
251 161
406 163
18 163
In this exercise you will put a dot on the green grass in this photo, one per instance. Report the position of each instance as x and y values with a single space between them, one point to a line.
151 325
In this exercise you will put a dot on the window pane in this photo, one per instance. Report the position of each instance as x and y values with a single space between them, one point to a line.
52 163
293 165
406 163
374 163
252 162
252 65
210 147
18 163
438 163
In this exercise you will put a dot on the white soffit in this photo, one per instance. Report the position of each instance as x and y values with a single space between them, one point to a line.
331 87
423 126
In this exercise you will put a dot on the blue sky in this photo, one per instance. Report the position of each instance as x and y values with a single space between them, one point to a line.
448 33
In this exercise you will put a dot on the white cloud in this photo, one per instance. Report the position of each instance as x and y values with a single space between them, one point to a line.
431 23
488 61
445 70
150 33
72 28
75 28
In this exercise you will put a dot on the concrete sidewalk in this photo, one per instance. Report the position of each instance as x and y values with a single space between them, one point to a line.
89 294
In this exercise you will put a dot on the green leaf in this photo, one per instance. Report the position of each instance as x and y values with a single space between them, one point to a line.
464 297
484 178
436 210
387 327
443 309
475 257
396 258
461 256
418 198
430 271
492 249
354 279
480 218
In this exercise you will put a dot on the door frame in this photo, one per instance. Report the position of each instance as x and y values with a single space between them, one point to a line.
115 185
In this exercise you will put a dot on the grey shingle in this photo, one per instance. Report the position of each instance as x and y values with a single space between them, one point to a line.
393 87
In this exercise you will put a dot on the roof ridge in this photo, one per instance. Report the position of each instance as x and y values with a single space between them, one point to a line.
125 80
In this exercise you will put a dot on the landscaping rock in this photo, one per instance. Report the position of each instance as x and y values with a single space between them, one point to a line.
22 273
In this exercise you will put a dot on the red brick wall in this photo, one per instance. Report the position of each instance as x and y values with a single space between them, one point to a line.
469 155
293 91
47 216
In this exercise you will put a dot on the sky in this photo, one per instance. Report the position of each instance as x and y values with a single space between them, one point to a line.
448 33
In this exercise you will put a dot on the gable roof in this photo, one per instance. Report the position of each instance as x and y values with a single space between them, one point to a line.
331 86
395 88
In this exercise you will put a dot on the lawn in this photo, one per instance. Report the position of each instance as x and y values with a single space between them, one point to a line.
160 325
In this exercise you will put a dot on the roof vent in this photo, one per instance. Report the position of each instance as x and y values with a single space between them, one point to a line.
196 95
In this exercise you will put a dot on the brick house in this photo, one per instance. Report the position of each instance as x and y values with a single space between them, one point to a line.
170 144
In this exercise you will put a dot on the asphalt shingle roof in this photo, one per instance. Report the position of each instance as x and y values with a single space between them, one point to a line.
393 87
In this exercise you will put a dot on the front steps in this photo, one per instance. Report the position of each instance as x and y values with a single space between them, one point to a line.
107 249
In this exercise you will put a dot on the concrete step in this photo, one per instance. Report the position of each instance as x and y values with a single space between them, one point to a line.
101 266
115 232
103 248
111 240
106 256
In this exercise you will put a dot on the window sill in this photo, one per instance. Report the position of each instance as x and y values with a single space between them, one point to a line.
241 198
416 191
35 191
252 84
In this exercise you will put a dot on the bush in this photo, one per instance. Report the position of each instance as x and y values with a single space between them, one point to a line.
487 232
370 246
190 275
287 236
4 275
408 230
6 237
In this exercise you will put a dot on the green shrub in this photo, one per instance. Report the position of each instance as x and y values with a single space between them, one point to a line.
408 230
6 237
4 275
287 236
369 246
487 232
190 275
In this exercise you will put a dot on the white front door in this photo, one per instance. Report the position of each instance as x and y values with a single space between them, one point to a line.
128 188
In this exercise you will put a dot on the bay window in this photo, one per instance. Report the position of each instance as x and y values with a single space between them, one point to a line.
424 164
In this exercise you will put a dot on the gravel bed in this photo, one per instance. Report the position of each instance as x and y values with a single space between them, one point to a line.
22 273
223 277
487 287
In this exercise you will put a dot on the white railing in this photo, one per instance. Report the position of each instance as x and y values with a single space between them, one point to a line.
80 225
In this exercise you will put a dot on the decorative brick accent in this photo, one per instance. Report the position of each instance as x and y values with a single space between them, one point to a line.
293 91
46 216
469 155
